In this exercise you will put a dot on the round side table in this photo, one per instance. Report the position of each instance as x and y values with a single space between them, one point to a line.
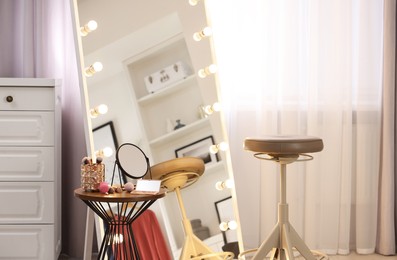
118 211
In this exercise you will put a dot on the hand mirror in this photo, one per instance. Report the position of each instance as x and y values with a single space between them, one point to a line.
132 161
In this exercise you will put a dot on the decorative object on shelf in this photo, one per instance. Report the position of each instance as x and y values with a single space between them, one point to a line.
105 141
178 124
199 149
224 211
92 173
166 76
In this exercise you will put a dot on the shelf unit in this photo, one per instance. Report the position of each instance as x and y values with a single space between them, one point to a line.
179 100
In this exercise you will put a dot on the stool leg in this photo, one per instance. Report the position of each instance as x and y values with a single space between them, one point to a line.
283 237
300 245
192 246
287 252
272 241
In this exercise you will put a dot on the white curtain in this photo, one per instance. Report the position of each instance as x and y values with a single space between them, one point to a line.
314 68
37 40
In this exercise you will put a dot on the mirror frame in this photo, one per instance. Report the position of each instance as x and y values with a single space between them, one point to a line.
90 218
217 120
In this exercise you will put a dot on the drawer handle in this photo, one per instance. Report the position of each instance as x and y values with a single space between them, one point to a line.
9 99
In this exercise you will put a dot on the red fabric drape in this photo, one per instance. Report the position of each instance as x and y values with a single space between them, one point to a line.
148 237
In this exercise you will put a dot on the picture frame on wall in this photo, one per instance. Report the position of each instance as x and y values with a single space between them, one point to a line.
105 140
199 148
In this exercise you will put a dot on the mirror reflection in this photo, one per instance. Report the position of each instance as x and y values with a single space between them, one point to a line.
132 161
147 79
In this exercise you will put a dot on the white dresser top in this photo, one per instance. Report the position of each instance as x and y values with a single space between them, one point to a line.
26 82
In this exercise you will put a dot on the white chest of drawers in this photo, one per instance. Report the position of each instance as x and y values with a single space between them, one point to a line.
30 169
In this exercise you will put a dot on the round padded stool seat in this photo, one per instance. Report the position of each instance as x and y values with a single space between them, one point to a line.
283 149
284 144
178 172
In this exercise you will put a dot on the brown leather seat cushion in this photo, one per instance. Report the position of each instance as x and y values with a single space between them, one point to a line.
284 144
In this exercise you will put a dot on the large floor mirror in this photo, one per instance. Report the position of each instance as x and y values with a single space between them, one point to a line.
137 43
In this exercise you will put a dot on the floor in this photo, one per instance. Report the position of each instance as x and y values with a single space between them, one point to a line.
65 257
354 256
351 256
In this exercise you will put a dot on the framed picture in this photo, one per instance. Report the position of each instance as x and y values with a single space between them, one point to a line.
105 145
224 211
199 149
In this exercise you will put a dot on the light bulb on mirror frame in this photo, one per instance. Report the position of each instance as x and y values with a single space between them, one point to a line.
88 27
227 184
92 69
105 152
211 69
229 225
208 110
223 226
205 32
223 146
232 224
193 2
99 110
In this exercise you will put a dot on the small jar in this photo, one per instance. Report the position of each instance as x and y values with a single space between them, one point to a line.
92 175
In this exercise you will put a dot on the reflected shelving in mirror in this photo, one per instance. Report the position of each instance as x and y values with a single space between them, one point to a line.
186 130
168 90
157 58
177 101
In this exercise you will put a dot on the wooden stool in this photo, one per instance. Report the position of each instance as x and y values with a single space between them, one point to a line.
175 175
283 150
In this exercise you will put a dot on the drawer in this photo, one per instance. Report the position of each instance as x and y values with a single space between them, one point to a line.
27 98
27 242
25 128
27 164
27 202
